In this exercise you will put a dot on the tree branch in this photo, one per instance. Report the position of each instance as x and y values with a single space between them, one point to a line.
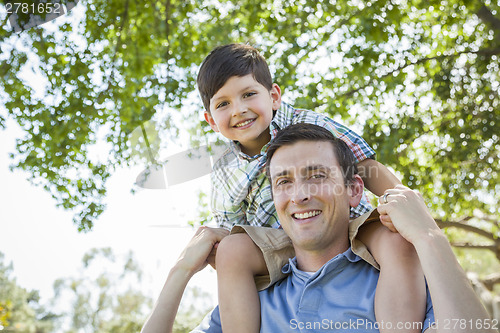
468 227
487 52
487 16
490 281
468 245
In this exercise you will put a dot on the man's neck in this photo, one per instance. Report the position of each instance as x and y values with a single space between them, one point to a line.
313 260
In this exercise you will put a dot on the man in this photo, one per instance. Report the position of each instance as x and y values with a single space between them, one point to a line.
314 183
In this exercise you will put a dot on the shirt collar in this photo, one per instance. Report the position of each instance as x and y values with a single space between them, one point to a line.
339 261
283 118
236 149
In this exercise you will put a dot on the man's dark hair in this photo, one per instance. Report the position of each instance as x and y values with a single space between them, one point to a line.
227 61
311 132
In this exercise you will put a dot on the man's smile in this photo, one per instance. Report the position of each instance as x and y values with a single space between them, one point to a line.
306 215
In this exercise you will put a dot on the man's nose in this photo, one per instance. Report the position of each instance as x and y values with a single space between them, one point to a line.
301 193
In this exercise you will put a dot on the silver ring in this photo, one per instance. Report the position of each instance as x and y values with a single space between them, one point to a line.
384 198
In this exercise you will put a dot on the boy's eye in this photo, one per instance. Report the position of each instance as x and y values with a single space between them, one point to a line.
222 104
249 94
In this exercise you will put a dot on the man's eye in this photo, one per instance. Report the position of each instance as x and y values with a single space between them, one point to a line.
318 176
282 182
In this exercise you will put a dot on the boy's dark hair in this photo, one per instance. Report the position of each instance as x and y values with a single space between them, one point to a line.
310 132
227 61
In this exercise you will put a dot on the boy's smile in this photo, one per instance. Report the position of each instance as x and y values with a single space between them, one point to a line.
242 110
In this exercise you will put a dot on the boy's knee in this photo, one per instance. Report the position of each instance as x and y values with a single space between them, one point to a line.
235 250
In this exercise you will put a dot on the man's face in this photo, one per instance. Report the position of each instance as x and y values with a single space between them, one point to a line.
310 195
242 111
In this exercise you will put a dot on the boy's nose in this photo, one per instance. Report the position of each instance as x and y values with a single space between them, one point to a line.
239 108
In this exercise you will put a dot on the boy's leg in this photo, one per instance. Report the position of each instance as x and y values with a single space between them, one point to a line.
400 298
238 260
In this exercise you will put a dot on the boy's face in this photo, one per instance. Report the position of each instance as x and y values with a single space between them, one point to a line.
242 110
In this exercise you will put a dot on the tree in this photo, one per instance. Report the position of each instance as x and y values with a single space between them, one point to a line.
20 309
104 297
419 79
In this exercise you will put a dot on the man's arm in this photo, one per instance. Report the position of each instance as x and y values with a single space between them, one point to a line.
376 176
198 253
453 298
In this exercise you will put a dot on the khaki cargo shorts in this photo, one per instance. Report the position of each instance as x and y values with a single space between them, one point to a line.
277 247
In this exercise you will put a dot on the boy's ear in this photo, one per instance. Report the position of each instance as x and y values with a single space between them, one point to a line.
276 96
210 121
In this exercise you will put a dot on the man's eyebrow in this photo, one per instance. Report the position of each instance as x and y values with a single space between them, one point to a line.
317 167
307 169
280 174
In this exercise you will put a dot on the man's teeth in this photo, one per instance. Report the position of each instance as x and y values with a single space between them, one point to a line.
307 215
244 123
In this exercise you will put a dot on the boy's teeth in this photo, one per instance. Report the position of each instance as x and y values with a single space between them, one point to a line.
244 123
307 215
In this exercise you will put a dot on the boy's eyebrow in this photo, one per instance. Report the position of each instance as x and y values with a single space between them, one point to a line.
252 86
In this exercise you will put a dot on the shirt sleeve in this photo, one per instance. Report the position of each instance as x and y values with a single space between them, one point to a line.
356 143
210 324
429 314
226 210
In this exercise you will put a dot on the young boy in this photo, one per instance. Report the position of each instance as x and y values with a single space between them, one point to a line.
244 105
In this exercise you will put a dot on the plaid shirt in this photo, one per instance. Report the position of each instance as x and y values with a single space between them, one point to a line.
241 192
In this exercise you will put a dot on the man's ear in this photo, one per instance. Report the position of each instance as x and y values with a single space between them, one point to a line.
276 96
355 190
210 121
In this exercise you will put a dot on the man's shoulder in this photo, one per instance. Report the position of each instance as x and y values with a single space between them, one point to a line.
210 324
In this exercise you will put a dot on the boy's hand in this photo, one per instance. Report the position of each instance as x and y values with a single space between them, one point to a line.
201 249
387 222
406 210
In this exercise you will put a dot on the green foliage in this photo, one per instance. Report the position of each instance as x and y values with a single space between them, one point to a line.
20 310
104 296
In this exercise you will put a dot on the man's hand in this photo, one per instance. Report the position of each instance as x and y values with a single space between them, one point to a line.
407 211
201 249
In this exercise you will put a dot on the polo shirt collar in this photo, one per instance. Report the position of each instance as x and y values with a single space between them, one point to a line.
338 262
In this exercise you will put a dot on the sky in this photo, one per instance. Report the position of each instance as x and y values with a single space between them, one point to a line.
43 243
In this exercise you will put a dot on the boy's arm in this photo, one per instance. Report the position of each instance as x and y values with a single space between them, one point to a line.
198 253
453 298
376 176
